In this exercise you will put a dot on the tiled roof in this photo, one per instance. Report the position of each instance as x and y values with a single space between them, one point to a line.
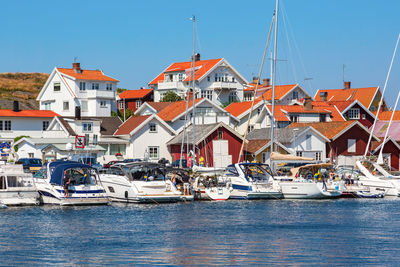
335 114
201 68
301 109
128 94
93 75
283 135
28 113
385 115
341 105
237 108
364 95
328 129
174 109
279 115
158 106
280 91
254 145
128 126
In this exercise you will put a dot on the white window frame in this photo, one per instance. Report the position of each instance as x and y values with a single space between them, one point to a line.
294 118
154 152
232 96
153 128
299 153
363 116
5 125
295 95
103 103
138 103
121 104
45 125
351 145
58 84
87 127
109 86
353 114
65 105
95 86
318 156
82 86
47 106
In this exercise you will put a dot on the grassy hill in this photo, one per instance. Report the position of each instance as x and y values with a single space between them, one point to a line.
23 87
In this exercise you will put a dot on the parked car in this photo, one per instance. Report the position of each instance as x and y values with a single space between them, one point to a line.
30 164
109 164
89 160
176 163
131 160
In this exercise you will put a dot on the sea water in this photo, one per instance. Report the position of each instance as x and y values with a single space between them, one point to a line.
329 232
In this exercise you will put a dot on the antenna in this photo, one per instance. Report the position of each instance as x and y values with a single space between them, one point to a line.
344 66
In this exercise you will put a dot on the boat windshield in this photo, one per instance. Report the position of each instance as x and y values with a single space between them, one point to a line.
145 173
115 171
231 171
41 174
81 176
255 172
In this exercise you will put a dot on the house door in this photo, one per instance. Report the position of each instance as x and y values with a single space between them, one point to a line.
220 153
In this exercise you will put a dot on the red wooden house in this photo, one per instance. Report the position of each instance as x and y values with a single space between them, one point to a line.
391 152
217 143
133 99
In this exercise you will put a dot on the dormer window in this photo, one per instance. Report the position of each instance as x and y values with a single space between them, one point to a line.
109 86
153 128
95 86
353 114
57 87
295 95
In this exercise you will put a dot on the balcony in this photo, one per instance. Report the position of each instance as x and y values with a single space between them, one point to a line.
97 94
170 85
224 85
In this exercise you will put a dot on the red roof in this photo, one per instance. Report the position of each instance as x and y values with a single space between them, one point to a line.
385 115
201 68
28 113
254 145
301 109
175 109
128 126
280 91
328 129
129 94
238 108
93 75
364 95
279 115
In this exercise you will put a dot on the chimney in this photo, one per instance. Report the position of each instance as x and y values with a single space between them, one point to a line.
76 67
347 85
16 106
266 82
197 57
323 96
255 80
77 113
307 103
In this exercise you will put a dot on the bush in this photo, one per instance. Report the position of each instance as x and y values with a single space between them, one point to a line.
170 96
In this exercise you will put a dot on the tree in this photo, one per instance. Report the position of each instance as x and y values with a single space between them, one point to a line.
16 139
170 96
120 90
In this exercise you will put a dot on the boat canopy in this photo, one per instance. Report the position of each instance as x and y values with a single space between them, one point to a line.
282 157
58 167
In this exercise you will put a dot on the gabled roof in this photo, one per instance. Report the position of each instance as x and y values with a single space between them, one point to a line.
257 146
363 95
131 124
385 115
266 91
28 113
177 108
335 115
356 102
132 94
65 125
239 109
92 75
154 106
201 68
376 145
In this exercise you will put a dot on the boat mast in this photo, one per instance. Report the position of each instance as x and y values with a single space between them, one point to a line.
274 80
194 91
381 100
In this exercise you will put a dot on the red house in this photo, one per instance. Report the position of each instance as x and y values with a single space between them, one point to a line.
217 143
133 99
391 152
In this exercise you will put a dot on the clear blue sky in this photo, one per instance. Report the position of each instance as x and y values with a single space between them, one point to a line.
134 41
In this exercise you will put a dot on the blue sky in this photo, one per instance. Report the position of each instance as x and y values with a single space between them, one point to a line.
134 41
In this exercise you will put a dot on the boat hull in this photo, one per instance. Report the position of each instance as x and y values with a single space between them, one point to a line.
19 197
306 190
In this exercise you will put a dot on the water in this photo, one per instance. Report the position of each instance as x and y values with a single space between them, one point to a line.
332 232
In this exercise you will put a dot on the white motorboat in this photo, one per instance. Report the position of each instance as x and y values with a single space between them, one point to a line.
211 187
84 189
310 182
17 188
252 181
141 182
377 179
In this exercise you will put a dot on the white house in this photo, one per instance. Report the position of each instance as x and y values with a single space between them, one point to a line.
147 136
215 79
66 89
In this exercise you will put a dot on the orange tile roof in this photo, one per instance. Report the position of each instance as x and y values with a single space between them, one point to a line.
93 75
254 145
175 109
280 91
385 115
301 109
238 108
28 113
128 126
364 95
328 129
201 68
279 115
140 93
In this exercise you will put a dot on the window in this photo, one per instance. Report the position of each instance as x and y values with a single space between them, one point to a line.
364 116
66 105
31 155
353 114
94 142
206 94
87 138
138 103
322 117
233 79
258 111
109 86
232 96
103 103
82 86
180 77
153 152
117 148
220 135
87 127
95 86
84 106
299 153
153 127
294 118
318 156
121 105
208 78
45 125
47 106
5 125
251 128
57 87
351 145
295 95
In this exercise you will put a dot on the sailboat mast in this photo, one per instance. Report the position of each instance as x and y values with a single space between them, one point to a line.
274 79
193 90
